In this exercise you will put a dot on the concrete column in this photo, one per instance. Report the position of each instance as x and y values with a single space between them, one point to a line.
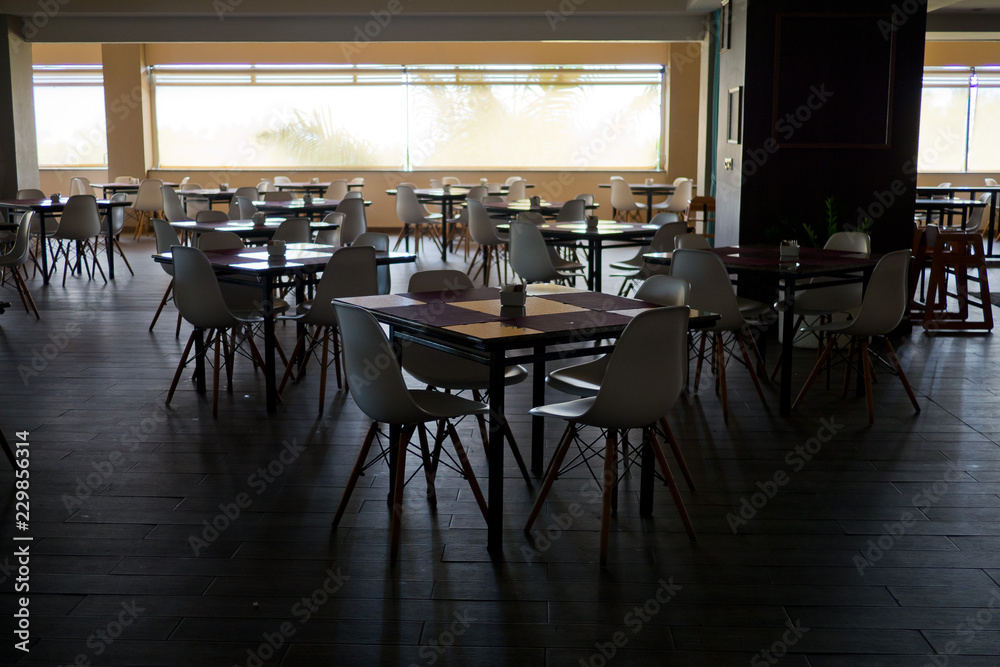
128 109
18 146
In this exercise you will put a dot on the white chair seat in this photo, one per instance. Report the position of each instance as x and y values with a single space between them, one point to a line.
439 405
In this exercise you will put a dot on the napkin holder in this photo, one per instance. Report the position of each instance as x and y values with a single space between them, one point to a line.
276 252
789 250
536 201
513 295
592 221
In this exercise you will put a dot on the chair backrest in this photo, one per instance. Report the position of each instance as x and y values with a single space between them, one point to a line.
337 190
349 272
438 280
511 180
21 250
450 180
353 194
172 209
241 208
663 239
849 242
374 376
196 290
80 218
359 180
247 191
149 197
166 235
281 180
681 199
991 182
293 230
711 289
125 179
477 192
516 189
572 211
435 184
117 213
621 196
35 193
664 291
529 256
379 242
978 219
481 227
588 200
211 215
355 220
646 371
691 241
332 236
190 185
408 209
887 297
946 184
278 196
78 185
264 185
220 241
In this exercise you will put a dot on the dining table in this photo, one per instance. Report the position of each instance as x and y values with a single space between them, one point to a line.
46 208
649 190
948 206
314 188
249 230
784 276
993 228
595 238
556 322
301 262
109 190
298 207
210 195
544 207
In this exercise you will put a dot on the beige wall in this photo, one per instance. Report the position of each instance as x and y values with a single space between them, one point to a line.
127 157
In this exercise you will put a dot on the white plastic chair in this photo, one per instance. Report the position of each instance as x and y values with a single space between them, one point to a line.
293 230
990 182
416 219
691 241
885 302
281 180
172 209
18 255
511 180
530 257
241 208
515 190
680 201
450 180
626 207
483 231
78 185
200 302
712 291
337 191
350 272
380 242
278 196
662 241
386 399
573 210
211 215
166 237
652 347
355 219
332 236
79 224
247 191
117 214
264 185
148 201
448 372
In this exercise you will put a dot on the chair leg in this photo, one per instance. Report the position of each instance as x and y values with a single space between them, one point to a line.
22 289
163 302
359 465
851 350
326 333
121 252
180 367
672 441
815 372
291 361
550 474
750 366
701 358
674 491
467 469
397 494
215 374
425 454
720 349
902 375
515 450
606 493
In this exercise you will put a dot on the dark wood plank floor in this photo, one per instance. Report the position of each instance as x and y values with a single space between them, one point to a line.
857 545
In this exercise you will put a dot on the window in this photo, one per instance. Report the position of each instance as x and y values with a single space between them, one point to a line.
412 117
958 132
70 121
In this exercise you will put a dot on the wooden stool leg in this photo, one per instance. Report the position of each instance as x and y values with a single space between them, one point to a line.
359 465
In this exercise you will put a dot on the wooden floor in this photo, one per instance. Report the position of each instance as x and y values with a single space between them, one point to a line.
821 541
